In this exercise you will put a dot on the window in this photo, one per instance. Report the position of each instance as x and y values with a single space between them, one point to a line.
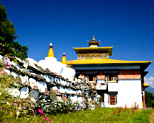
111 78
90 77
113 98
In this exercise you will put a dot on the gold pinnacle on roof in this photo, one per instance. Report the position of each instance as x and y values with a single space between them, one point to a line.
93 43
63 60
93 38
50 52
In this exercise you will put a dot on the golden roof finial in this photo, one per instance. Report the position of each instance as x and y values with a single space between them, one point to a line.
93 38
50 52
63 60
93 43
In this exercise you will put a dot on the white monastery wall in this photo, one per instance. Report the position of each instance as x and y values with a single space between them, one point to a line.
129 93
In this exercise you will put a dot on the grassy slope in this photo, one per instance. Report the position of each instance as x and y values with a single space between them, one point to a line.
99 115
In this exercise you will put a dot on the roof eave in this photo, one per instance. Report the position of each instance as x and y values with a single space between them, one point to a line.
146 64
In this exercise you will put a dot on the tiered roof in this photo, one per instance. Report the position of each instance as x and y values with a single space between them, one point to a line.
100 55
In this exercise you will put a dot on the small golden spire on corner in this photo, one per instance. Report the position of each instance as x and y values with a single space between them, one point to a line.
93 38
63 60
50 52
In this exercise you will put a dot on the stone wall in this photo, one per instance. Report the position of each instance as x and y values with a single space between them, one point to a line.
38 83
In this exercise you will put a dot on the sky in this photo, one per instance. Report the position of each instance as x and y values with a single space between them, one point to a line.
127 25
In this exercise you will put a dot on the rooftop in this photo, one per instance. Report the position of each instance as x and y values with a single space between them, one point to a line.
105 61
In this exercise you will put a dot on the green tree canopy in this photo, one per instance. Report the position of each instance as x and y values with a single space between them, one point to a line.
149 97
7 36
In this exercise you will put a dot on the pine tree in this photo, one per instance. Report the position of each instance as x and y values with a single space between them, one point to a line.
7 36
149 97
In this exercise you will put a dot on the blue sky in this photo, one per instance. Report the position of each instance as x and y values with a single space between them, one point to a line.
127 25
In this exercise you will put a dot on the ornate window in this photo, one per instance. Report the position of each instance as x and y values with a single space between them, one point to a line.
113 98
111 76
90 75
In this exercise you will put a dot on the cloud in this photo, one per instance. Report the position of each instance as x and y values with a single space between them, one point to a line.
149 81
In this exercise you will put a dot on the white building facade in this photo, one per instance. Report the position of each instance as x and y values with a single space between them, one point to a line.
119 83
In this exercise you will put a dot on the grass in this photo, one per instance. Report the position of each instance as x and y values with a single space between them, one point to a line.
99 115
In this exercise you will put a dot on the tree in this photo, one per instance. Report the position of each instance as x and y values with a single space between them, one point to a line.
7 36
149 97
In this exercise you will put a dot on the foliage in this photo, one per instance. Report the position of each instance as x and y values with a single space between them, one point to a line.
148 98
11 106
45 118
7 36
50 106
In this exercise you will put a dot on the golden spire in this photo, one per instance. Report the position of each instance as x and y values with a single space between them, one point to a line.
63 60
93 38
93 43
50 52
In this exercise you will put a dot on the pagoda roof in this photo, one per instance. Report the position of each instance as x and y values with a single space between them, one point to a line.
93 50
144 64
94 42
104 61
